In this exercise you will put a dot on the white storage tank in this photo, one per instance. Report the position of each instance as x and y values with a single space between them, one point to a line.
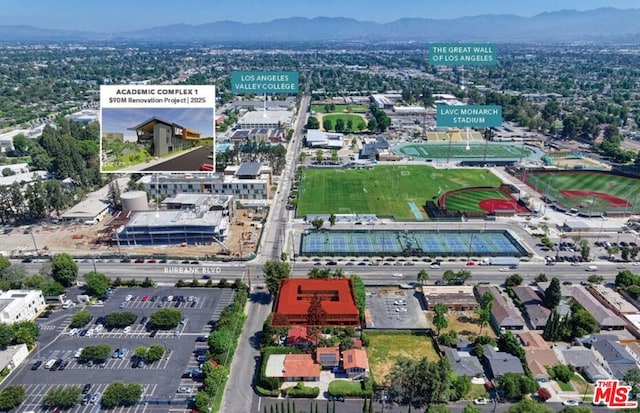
134 201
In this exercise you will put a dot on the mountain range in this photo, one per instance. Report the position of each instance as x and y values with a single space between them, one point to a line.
598 25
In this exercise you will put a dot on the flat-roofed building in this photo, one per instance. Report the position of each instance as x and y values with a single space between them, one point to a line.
275 119
198 221
336 297
455 297
20 305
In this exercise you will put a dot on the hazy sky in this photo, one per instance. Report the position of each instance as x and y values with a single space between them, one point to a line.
123 15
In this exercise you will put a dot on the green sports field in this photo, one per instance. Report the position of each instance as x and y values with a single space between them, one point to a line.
340 109
382 190
458 150
469 201
355 119
591 192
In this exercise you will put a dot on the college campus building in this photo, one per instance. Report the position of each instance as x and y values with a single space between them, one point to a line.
249 181
336 297
20 305
190 219
165 136
274 119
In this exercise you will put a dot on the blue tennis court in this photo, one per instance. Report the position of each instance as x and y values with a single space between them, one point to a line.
415 243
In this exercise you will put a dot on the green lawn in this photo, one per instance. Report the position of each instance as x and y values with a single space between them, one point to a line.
385 348
355 120
383 189
468 200
340 109
458 150
619 186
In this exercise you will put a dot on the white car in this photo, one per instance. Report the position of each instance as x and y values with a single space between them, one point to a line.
73 331
396 274
504 269
127 329
570 402
401 309
575 264
400 302
170 298
480 401
435 265
128 297
184 390
98 328
78 352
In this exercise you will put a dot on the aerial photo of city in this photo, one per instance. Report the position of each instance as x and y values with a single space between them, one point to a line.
334 207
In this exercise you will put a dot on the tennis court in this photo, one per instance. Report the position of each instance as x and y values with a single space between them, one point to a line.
442 243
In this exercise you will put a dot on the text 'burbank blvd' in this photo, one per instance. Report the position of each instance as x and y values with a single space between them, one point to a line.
192 270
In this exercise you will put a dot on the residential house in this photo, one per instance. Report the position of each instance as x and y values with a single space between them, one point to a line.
328 357
617 359
298 337
503 315
300 367
585 361
463 363
606 318
499 363
533 306
355 363
538 354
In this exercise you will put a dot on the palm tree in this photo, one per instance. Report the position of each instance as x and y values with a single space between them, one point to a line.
423 277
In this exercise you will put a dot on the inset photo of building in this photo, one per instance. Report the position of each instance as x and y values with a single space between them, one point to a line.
156 139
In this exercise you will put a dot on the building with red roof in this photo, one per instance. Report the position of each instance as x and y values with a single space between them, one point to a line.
299 367
355 362
298 337
336 297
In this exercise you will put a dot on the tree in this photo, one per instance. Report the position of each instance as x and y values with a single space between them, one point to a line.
562 373
327 125
553 294
80 319
140 353
165 319
64 269
203 401
423 277
6 335
461 387
515 386
485 309
312 123
332 219
274 272
541 278
471 409
543 394
317 223
439 318
595 279
219 341
214 377
4 262
632 378
513 280
25 332
97 283
155 353
11 397
64 397
119 319
98 353
529 406
373 124
121 394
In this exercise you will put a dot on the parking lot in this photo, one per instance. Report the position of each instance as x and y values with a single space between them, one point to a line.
161 380
395 308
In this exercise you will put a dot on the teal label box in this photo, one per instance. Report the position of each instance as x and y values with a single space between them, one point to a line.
468 116
264 82
463 54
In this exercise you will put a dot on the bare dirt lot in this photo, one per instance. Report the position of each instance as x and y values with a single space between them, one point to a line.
464 323
82 240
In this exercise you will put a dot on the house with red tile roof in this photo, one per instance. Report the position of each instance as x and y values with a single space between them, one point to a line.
300 367
298 337
355 363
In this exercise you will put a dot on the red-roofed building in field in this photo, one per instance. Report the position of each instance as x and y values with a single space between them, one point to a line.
335 294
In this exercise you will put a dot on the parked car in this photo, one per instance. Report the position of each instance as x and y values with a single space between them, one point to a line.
480 401
86 388
36 365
